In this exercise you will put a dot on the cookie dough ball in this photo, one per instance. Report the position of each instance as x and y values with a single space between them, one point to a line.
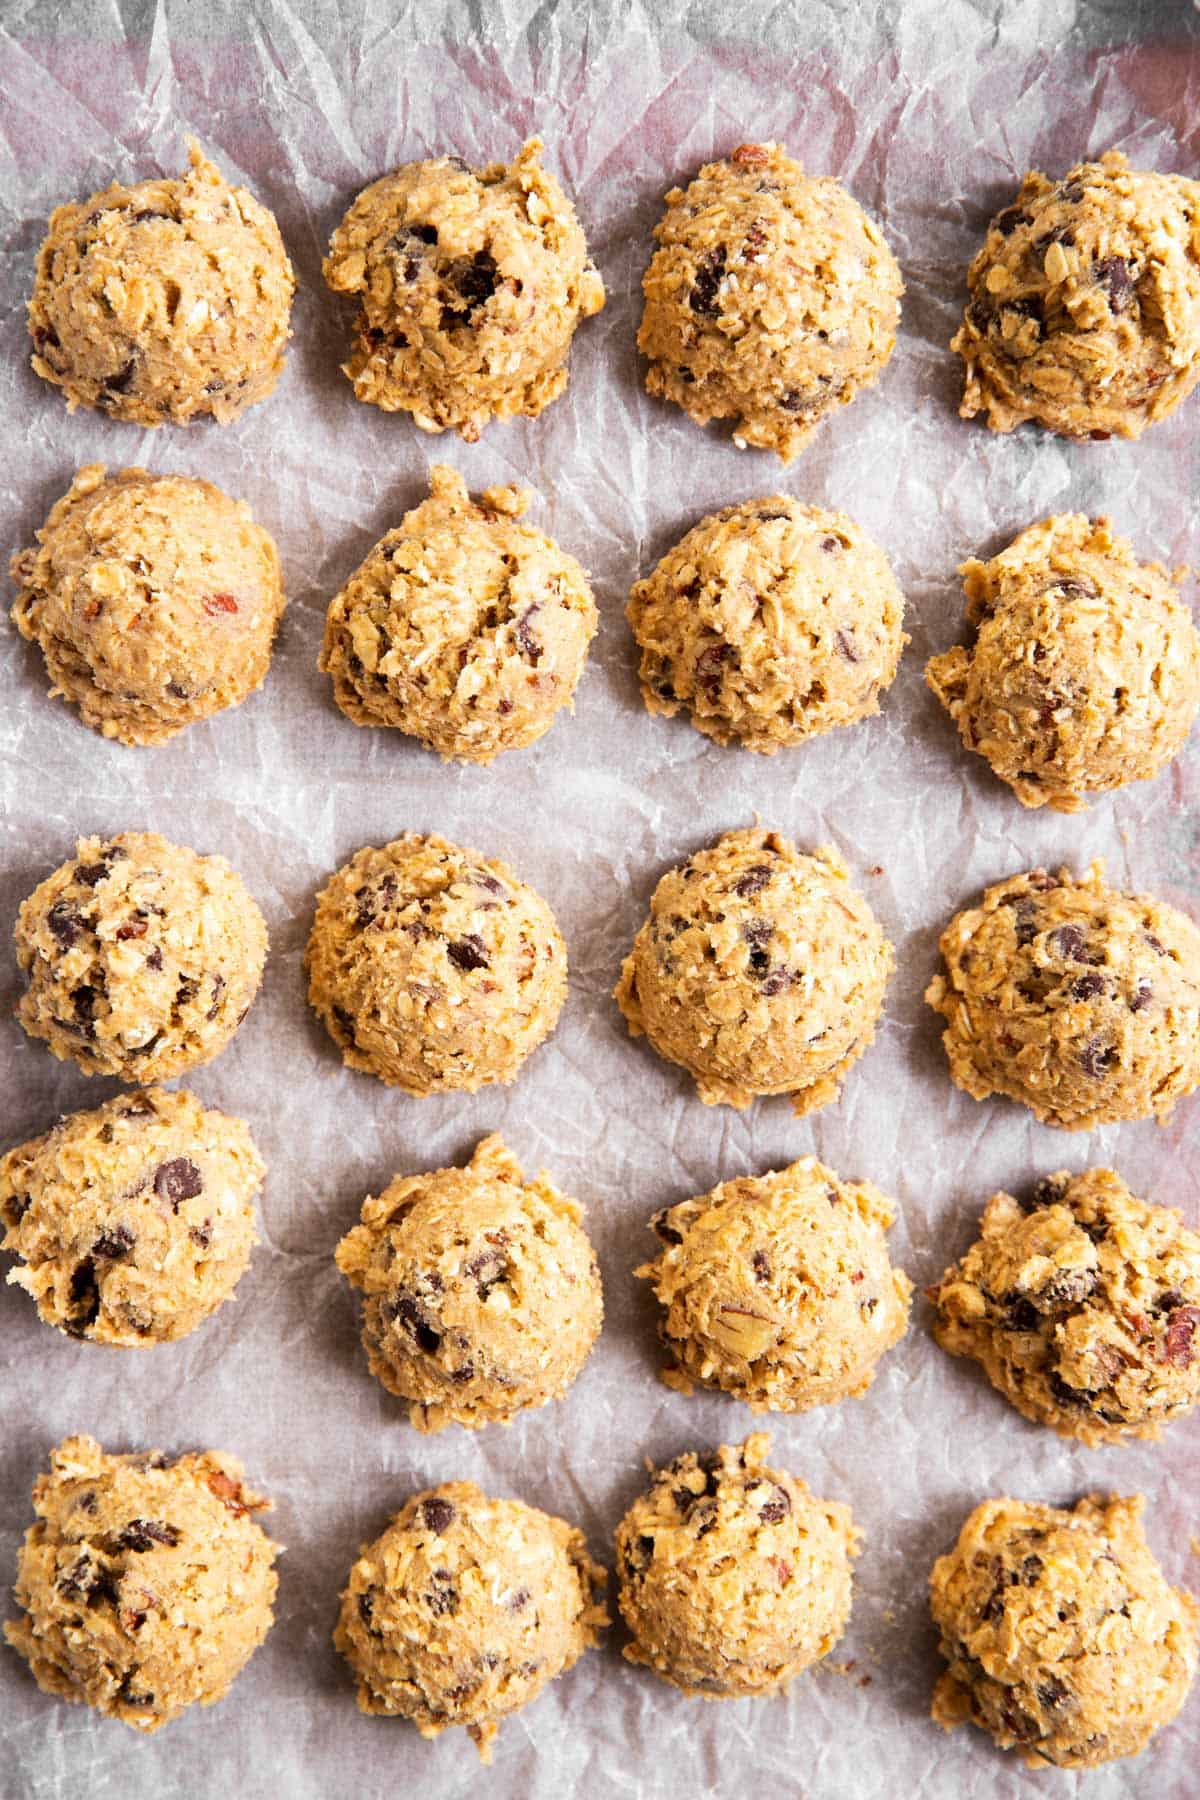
771 299
1081 1002
434 968
1084 310
733 1577
465 1608
133 1222
146 1584
760 971
778 1288
463 628
141 957
770 622
153 598
1084 669
164 302
481 1292
470 283
1063 1639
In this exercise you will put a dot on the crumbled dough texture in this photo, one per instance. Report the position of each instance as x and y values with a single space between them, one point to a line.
434 968
772 299
463 628
1083 673
1084 309
141 957
1078 1001
465 1608
153 598
481 1292
733 1576
146 1584
1082 1307
470 284
760 971
1062 1637
778 1288
164 302
769 622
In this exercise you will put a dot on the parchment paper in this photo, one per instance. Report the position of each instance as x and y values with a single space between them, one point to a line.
931 112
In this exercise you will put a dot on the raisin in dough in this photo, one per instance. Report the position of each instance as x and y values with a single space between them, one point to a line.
778 1288
1081 1002
1084 310
1062 1636
146 1584
133 1222
1082 1307
771 299
164 302
465 1608
481 1292
1083 672
463 627
141 957
760 971
153 598
733 1576
770 622
433 968
470 284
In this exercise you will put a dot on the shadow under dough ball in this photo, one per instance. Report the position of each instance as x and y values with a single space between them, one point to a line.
164 302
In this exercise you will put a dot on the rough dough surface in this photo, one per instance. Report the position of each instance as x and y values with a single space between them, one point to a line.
153 598
465 1608
481 1292
1081 1002
733 1577
164 302
141 957
1063 1639
778 1288
772 298
1082 1306
760 971
463 627
769 622
146 1584
1084 310
133 1222
470 283
1083 672
433 968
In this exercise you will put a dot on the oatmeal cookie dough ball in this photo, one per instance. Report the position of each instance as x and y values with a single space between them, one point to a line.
465 1608
733 1576
133 1222
778 1288
164 302
1084 309
760 971
153 598
464 628
771 299
1062 1637
146 1584
1078 1001
1084 669
141 957
470 284
481 1291
770 622
434 968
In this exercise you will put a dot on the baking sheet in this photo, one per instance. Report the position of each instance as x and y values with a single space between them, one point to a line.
930 112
